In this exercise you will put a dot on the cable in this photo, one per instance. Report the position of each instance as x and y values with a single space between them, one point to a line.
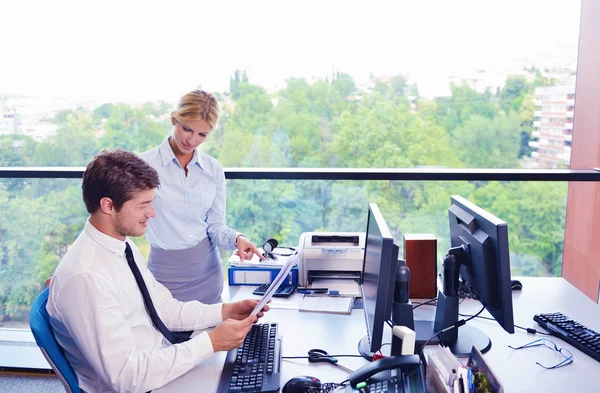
424 303
333 356
528 330
455 325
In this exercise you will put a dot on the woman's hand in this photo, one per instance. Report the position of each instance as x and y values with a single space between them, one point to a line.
246 249
243 308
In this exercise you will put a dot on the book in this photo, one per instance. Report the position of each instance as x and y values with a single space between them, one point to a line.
327 304
484 379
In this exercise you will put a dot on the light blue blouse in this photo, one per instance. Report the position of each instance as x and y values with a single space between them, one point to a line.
188 208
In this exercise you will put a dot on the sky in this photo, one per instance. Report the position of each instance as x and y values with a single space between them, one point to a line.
130 50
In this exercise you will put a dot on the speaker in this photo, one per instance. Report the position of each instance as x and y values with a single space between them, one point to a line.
420 254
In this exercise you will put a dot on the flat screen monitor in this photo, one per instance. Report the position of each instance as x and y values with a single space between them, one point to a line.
485 263
479 257
378 279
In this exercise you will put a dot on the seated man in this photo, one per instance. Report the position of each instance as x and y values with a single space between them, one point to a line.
120 328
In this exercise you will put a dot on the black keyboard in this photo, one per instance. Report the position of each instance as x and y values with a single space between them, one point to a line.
574 333
254 367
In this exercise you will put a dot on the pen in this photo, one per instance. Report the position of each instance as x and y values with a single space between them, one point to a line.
461 385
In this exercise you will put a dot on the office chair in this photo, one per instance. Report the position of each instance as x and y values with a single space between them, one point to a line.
39 321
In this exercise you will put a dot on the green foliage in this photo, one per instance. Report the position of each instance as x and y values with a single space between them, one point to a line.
486 143
135 129
464 103
325 123
513 93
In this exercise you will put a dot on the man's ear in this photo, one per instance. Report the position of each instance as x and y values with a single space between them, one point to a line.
107 206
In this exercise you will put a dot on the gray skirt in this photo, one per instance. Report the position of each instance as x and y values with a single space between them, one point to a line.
195 273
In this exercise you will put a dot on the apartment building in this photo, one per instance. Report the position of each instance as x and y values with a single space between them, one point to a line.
553 125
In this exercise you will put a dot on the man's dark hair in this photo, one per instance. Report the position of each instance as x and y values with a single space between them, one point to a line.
116 174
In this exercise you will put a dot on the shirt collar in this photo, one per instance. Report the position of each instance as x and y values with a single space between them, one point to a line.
110 243
167 156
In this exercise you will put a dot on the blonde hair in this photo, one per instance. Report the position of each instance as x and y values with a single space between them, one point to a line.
197 105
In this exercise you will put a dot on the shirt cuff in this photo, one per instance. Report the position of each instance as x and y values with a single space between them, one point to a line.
214 314
201 347
234 238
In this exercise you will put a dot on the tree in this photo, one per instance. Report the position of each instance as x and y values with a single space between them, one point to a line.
234 83
455 111
486 143
526 118
135 129
513 93
12 156
343 85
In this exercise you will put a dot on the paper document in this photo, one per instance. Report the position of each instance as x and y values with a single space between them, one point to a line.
276 283
328 304
345 287
234 260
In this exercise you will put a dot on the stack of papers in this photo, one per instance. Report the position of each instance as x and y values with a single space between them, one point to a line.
345 287
234 260
327 304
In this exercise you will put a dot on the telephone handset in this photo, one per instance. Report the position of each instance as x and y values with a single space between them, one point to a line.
406 363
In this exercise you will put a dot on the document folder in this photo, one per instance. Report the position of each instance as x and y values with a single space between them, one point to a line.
238 275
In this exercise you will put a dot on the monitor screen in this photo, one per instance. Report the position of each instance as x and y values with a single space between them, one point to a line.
485 261
378 279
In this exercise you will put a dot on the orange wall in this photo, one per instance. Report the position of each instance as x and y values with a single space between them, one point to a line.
581 259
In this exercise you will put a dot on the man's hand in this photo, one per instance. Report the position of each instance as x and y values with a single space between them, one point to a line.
246 249
231 333
243 308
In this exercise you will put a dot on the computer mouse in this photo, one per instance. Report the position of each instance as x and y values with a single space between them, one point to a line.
302 384
516 285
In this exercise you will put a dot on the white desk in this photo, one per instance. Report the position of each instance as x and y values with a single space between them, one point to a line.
339 334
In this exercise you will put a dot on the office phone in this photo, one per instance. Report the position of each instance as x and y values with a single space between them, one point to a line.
395 373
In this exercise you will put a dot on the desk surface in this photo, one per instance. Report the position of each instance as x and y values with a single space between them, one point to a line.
339 334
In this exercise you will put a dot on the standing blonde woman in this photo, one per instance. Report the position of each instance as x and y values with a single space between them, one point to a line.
190 206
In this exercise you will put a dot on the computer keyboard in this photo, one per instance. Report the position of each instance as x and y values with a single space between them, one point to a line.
254 367
574 333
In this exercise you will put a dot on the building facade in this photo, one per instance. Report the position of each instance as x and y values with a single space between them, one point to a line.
553 125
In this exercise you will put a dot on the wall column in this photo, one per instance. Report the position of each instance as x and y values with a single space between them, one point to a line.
581 257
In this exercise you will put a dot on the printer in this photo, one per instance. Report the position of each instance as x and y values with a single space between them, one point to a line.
333 260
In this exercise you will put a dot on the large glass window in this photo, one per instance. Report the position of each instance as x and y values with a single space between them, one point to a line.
388 84
43 217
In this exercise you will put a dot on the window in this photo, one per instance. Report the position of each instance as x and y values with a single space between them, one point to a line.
338 85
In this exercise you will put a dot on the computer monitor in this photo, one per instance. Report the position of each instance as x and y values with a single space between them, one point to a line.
479 254
485 267
378 280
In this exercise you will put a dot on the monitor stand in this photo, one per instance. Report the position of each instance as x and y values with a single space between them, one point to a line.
459 340
468 337
364 348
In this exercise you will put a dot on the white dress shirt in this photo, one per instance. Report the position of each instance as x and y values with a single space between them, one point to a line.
98 316
188 208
